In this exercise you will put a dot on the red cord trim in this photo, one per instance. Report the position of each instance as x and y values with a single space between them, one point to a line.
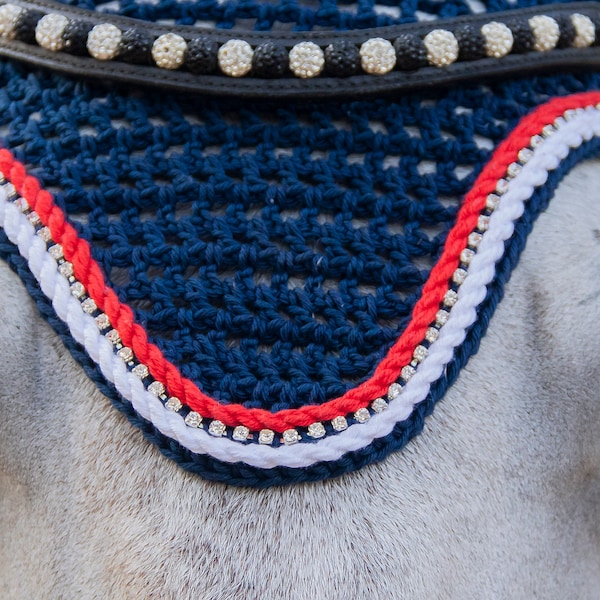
77 251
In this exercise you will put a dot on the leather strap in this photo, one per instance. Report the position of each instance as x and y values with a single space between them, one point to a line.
323 86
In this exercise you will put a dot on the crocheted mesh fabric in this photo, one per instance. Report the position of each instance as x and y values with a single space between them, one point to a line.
301 15
273 252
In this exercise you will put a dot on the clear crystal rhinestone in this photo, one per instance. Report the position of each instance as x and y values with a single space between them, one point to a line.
9 15
217 428
9 189
535 141
548 130
441 317
546 33
77 289
407 372
240 433
362 415
168 51
442 47
474 239
432 334
125 353
49 32
266 436
156 388
113 337
525 155
498 39
394 391
140 371
450 298
492 201
316 430
103 41
235 58
379 405
65 269
459 276
339 423
45 234
174 404
377 56
89 306
34 218
290 436
306 60
193 419
22 204
570 114
502 186
514 169
420 353
466 256
102 321
483 223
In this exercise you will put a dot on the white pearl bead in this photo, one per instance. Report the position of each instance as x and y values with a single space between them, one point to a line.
103 41
585 31
9 14
306 60
377 56
235 58
49 32
442 47
498 39
546 32
168 51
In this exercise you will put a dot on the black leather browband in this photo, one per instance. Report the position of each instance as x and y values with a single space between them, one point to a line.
519 60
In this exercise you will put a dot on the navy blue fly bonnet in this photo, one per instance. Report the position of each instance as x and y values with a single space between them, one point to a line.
272 233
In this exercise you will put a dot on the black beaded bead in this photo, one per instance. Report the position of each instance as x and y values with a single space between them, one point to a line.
201 56
523 38
410 52
270 60
25 25
567 32
471 43
342 59
135 47
75 36
596 22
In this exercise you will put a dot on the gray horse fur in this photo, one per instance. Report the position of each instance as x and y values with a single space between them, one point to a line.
498 498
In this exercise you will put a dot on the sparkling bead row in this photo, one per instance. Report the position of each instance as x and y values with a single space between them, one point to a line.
237 58
316 430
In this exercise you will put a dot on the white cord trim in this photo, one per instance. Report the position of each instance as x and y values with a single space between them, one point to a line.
546 157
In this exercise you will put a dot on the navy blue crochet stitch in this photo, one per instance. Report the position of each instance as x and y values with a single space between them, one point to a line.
272 252
297 15
229 266
242 475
